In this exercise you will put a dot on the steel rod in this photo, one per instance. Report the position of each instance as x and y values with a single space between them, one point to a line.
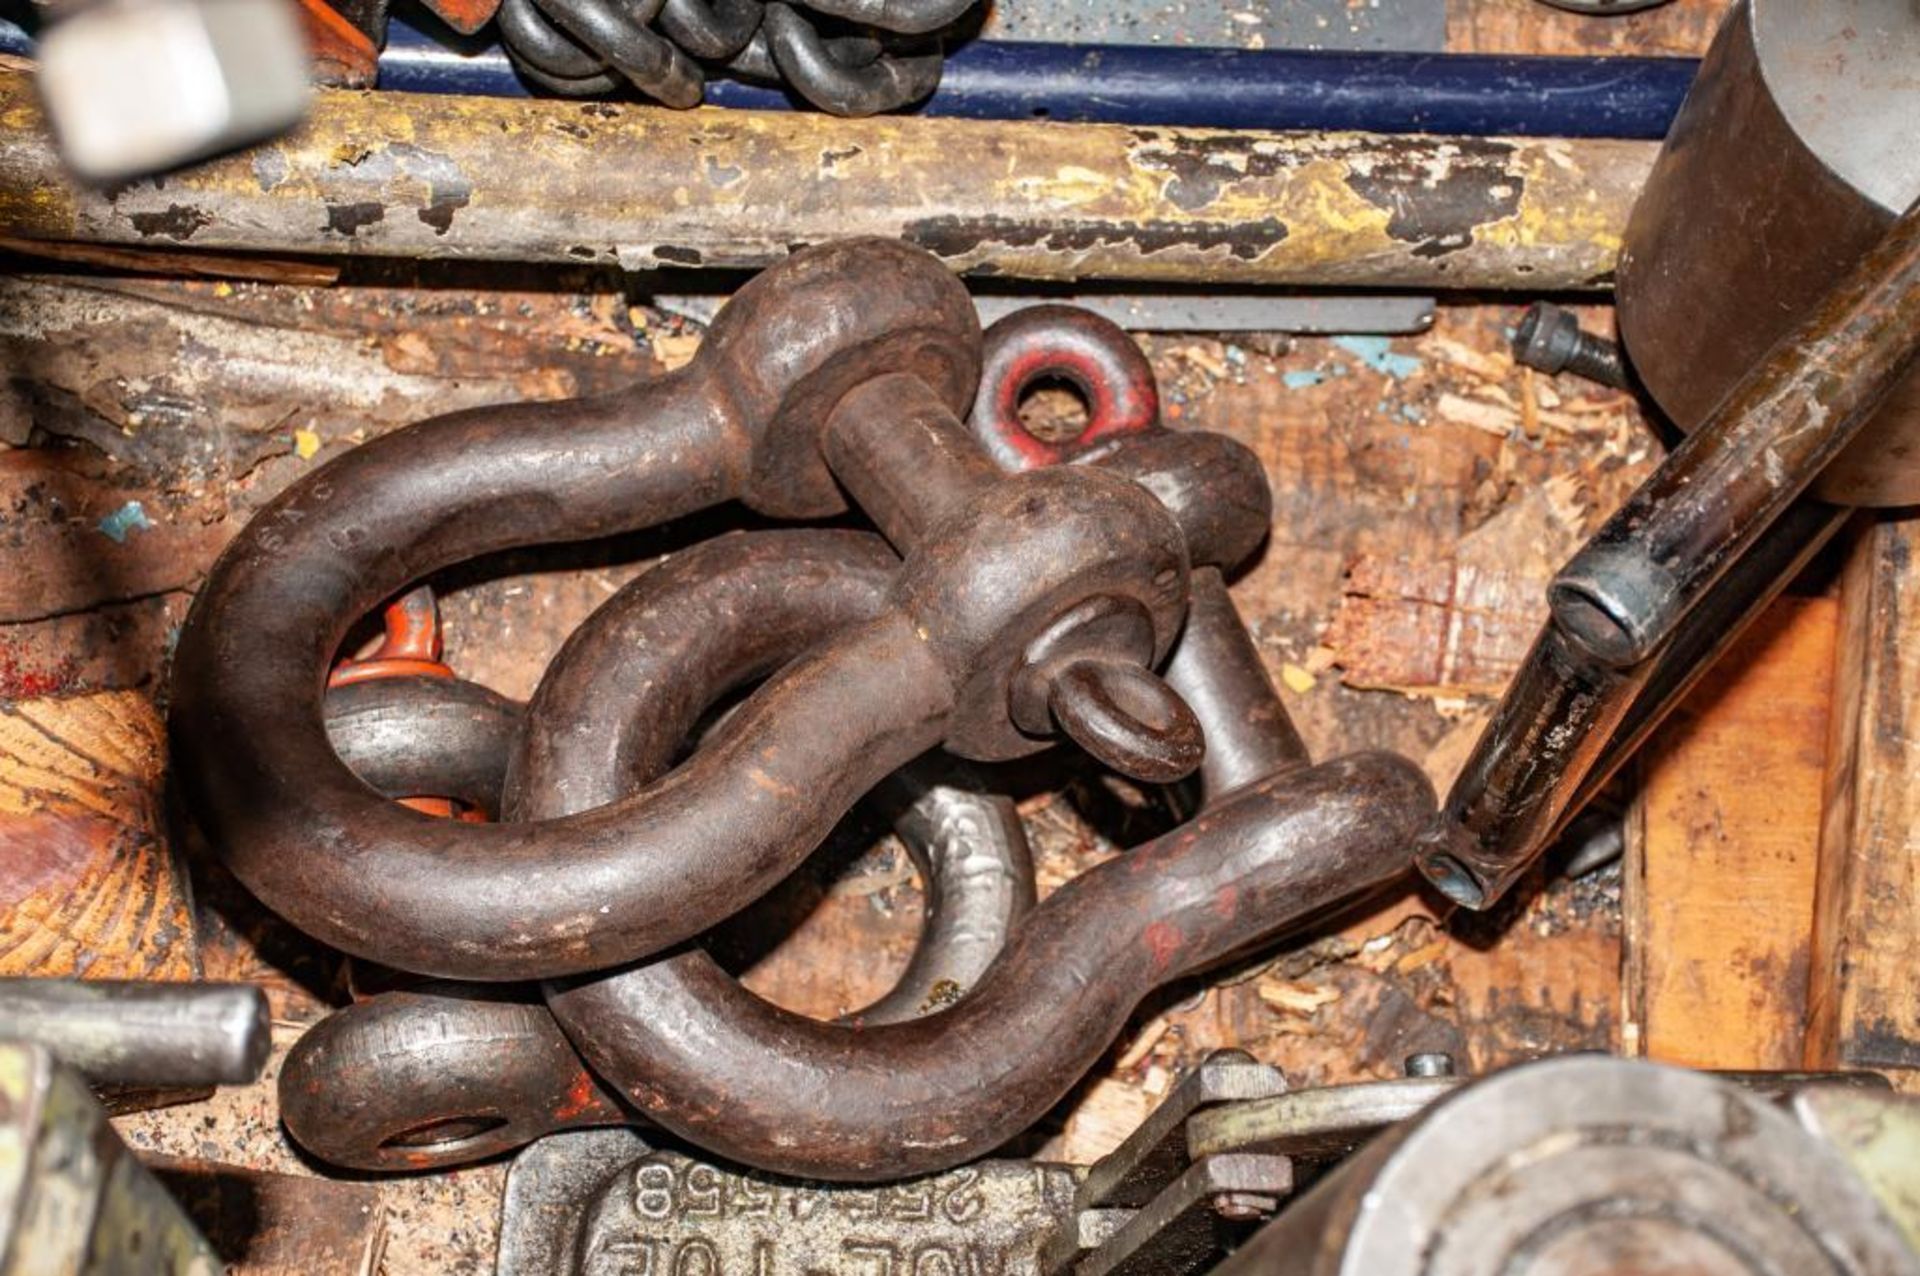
385 174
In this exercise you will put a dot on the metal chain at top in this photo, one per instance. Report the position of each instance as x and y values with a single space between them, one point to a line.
887 54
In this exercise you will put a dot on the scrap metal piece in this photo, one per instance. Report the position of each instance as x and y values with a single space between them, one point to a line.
593 1203
586 183
73 1199
1157 1153
1585 1165
1150 1206
138 1032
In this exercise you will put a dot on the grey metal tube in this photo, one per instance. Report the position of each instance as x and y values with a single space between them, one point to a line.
142 1033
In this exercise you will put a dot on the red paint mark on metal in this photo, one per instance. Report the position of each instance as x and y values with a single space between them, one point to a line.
1164 941
18 682
580 1097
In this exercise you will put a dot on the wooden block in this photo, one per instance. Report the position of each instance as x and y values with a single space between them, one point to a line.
267 1224
1682 28
1722 849
88 886
1865 1003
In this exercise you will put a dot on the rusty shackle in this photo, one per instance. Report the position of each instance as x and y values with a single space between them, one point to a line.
1023 601
678 1040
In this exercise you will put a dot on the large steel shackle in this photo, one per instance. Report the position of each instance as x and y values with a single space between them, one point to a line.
1023 601
683 1043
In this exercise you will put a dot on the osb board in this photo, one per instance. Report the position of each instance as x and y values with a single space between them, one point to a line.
1723 850
88 885
1424 487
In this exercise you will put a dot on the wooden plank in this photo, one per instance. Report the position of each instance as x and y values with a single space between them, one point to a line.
263 1223
1865 1004
1722 849
1681 28
90 888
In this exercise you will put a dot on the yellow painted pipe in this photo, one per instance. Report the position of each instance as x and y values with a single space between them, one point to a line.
403 175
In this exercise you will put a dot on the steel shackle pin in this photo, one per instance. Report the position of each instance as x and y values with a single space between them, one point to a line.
142 1032
911 462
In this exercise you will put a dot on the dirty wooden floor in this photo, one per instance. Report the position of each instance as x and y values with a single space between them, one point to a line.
1425 487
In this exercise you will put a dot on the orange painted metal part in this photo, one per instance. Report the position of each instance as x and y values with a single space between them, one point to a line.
464 16
410 647
343 55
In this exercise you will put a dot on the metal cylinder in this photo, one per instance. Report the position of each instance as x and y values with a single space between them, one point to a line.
392 174
139 1033
1587 1166
1778 428
1792 156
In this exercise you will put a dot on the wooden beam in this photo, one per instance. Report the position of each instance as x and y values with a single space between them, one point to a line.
1865 1007
1721 858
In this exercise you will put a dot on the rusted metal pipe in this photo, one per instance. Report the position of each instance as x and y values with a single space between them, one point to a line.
1699 529
386 174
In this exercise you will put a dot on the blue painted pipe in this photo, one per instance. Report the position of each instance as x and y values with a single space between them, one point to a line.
1471 94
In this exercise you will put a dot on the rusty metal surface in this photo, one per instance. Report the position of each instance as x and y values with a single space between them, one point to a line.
737 1075
443 1074
594 182
363 527
1010 584
1587 1164
1726 255
600 1202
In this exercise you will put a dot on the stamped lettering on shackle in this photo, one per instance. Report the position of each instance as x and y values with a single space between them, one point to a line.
664 1214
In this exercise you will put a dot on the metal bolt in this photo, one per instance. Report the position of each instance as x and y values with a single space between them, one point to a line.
1429 1063
1550 339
